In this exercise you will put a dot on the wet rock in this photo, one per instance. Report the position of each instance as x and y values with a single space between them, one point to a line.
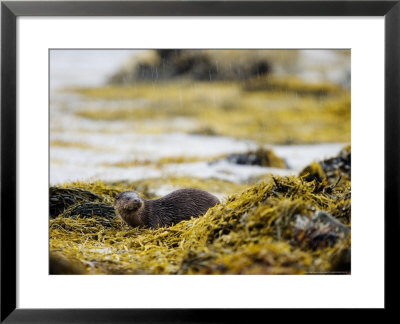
333 169
207 131
62 198
341 262
338 166
261 157
320 231
201 65
103 213
59 264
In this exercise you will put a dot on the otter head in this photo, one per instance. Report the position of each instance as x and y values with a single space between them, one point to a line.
128 205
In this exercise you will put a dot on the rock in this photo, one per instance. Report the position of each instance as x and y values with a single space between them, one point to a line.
59 264
320 231
332 169
261 157
62 198
103 213
201 65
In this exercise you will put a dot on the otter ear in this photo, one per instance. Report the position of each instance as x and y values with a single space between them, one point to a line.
117 196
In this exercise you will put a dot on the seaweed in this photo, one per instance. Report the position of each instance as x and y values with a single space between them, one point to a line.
228 109
333 169
269 228
62 198
101 212
292 84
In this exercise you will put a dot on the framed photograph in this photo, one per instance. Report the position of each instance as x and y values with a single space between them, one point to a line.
163 158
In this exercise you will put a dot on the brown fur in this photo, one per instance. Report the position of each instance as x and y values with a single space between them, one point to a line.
171 209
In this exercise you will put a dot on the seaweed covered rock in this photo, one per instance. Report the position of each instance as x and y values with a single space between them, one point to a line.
223 108
255 232
333 169
292 84
90 210
261 257
92 201
208 65
270 210
313 171
59 264
261 157
102 212
339 166
62 198
321 230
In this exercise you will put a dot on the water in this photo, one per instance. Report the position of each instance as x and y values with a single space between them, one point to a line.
99 145
73 68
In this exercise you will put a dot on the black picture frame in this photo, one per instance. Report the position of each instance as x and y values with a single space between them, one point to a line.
10 10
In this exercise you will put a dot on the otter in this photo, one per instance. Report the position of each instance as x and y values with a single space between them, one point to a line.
171 209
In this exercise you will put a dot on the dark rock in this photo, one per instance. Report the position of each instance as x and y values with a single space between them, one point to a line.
62 198
341 263
200 65
332 169
104 214
59 264
261 157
